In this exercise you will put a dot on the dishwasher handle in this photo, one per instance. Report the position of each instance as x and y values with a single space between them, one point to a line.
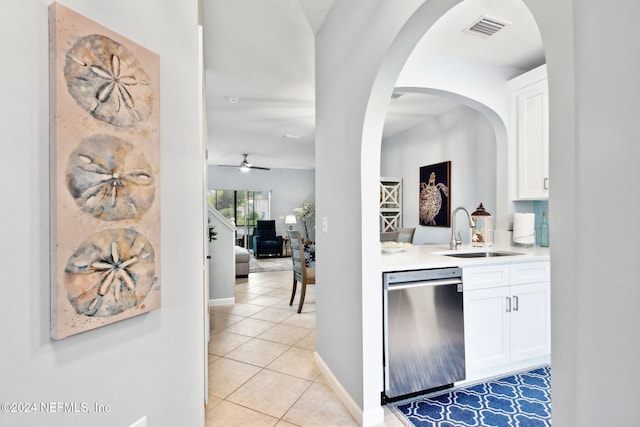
439 282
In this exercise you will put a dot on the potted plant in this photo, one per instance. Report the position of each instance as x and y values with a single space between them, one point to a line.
212 231
306 214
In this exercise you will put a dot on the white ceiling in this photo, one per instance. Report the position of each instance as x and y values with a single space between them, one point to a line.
261 54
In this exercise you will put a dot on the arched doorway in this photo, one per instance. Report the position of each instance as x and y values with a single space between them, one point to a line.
350 116
380 94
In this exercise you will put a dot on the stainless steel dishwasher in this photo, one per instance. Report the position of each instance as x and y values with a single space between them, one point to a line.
423 331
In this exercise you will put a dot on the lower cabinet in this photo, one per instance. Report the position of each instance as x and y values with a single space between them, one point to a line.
507 327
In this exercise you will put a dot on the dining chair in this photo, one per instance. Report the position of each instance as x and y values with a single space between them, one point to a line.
301 273
405 234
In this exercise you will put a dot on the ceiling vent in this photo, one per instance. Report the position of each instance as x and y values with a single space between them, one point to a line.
486 26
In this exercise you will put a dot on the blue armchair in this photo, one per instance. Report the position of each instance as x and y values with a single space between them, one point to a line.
265 241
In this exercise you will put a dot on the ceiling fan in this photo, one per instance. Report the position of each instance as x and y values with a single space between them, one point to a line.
245 166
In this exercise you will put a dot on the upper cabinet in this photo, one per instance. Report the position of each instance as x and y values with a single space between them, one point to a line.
530 134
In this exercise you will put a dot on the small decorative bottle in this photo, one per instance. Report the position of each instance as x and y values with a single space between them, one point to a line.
544 231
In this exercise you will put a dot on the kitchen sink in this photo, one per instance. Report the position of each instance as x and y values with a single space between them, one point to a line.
486 254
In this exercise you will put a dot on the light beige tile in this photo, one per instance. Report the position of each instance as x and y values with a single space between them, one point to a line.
297 362
276 282
283 423
264 300
272 314
271 278
257 352
222 320
319 406
309 305
212 402
250 327
281 293
284 334
244 296
226 375
243 287
212 358
284 305
322 380
227 414
302 320
240 309
270 392
308 342
258 289
222 342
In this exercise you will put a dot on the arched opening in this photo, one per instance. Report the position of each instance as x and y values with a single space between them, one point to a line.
414 29
464 131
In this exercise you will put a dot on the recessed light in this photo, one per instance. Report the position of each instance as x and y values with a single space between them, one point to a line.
233 99
292 136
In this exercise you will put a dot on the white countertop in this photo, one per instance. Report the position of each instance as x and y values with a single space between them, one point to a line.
432 256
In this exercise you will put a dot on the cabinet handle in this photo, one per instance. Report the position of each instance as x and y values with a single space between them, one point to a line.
515 303
546 183
508 304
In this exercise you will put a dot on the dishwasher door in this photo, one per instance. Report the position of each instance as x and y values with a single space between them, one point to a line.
423 331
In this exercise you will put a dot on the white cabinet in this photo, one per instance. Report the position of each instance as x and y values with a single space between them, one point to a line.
530 321
506 320
486 329
530 134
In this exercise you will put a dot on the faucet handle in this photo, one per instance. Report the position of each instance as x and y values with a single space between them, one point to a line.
458 241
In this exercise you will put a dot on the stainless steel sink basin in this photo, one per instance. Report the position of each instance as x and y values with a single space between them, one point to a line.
487 254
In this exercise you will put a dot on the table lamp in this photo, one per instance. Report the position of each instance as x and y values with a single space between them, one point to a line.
290 219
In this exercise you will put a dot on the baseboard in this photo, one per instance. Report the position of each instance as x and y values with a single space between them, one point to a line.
222 301
369 418
504 370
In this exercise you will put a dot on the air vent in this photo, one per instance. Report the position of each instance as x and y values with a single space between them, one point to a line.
486 26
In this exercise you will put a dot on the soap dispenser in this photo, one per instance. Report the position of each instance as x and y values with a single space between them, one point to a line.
482 233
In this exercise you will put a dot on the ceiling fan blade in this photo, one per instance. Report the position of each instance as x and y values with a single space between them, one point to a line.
245 165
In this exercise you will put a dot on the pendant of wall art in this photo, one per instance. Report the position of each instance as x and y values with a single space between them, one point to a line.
105 175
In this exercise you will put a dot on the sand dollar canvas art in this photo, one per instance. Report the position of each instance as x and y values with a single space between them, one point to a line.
105 175
108 81
110 178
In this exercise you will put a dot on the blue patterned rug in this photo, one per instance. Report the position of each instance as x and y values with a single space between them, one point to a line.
519 400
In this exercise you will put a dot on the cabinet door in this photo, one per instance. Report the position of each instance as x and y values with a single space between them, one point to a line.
530 321
533 141
486 329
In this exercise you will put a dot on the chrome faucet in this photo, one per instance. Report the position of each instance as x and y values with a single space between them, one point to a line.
454 243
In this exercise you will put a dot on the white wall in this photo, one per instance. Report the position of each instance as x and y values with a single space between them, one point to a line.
462 136
289 189
593 92
222 265
149 365
350 51
593 96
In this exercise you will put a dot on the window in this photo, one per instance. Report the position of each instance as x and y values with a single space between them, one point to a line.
243 208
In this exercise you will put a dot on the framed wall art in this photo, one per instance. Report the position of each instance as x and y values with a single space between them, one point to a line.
105 175
435 195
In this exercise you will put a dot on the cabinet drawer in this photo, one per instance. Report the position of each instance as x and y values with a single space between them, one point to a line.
490 276
530 272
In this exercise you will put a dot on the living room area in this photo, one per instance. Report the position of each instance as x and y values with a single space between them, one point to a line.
243 198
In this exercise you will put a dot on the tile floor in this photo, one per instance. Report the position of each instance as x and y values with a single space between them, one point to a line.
261 368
